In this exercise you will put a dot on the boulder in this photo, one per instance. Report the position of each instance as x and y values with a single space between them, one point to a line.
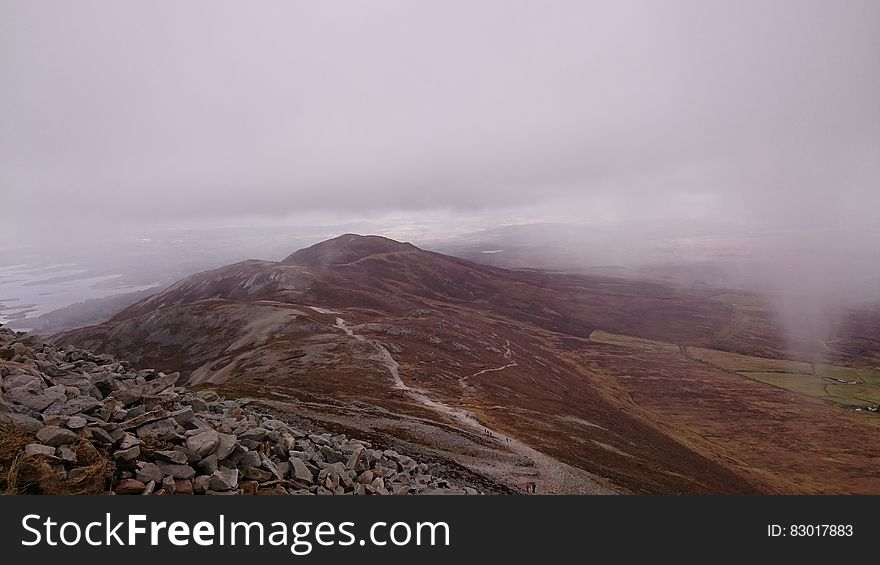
126 440
253 434
332 455
204 443
257 474
300 471
160 429
129 454
356 457
176 471
145 418
270 466
76 422
209 464
39 449
98 435
20 421
183 416
73 406
200 484
32 398
225 445
250 459
172 456
66 455
224 479
55 436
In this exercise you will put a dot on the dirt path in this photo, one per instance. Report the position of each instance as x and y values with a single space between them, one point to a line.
532 466
507 355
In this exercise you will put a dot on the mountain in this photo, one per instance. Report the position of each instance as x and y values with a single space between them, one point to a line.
578 384
347 248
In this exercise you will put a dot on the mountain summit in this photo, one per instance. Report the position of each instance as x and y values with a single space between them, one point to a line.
345 249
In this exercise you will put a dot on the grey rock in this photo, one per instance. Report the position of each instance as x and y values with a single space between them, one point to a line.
283 469
357 457
234 458
176 471
147 472
250 444
200 484
208 465
161 429
39 449
66 454
257 474
76 422
300 471
127 441
253 434
172 456
332 456
105 383
98 435
129 454
21 421
33 399
329 478
55 436
223 479
25 380
74 406
203 443
198 405
168 485
134 393
250 459
141 419
225 445
270 466
183 416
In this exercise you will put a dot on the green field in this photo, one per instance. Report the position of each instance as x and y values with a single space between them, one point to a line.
859 388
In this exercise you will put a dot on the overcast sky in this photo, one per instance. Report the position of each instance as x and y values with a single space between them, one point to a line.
766 112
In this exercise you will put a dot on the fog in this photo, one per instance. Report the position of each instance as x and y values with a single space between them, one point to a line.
753 125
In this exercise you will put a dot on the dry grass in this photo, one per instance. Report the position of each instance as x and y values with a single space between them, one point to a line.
34 474
642 344
738 362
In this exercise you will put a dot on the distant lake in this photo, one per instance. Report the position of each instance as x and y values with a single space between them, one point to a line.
28 291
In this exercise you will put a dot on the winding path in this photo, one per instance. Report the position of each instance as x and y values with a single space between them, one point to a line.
549 474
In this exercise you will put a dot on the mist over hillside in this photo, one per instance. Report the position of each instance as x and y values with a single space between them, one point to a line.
596 246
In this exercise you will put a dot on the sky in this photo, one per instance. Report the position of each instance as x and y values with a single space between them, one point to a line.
756 113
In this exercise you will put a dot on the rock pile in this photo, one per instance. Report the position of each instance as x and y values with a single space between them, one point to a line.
166 439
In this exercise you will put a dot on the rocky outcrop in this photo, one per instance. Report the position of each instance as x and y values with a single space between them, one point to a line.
163 438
